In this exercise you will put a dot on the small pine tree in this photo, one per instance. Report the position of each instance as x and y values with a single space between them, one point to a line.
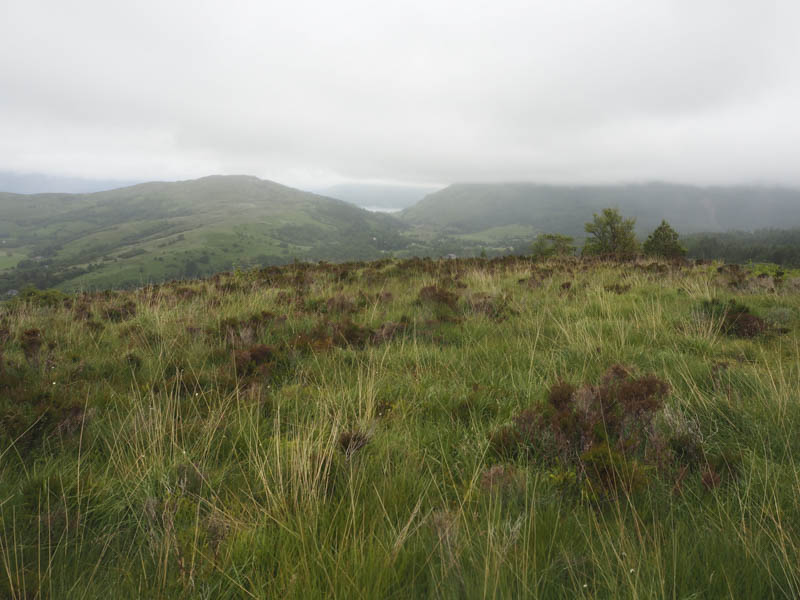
611 235
552 244
664 242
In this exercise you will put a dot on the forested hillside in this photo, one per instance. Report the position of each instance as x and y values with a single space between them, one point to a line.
472 208
779 246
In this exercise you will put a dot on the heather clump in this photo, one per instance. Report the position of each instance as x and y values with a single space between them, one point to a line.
438 297
352 441
530 282
238 332
617 288
734 275
735 318
120 312
498 308
186 294
604 433
40 298
347 333
259 359
31 342
389 331
315 340
340 304
82 311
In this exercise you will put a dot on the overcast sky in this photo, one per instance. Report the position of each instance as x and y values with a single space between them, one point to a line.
314 93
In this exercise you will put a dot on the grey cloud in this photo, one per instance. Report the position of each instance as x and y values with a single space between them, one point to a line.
311 93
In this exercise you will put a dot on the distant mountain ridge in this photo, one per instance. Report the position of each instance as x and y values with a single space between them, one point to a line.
40 183
468 208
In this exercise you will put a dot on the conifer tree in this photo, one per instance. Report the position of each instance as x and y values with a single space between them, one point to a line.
664 242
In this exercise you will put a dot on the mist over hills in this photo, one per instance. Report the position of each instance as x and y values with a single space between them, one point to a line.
40 183
379 195
471 208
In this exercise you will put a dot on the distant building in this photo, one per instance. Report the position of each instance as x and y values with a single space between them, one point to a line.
12 293
451 256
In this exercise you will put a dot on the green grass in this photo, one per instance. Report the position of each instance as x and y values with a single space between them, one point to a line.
501 233
9 258
138 460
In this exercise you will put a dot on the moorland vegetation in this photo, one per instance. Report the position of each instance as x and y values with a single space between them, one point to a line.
558 428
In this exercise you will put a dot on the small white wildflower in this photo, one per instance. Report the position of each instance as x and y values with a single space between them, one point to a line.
632 570
585 585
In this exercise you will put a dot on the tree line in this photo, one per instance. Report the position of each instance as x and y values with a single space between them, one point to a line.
779 246
612 235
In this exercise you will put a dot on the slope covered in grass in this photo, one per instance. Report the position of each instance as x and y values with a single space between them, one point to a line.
453 429
159 231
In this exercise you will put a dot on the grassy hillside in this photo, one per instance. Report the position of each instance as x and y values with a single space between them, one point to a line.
406 429
471 208
158 231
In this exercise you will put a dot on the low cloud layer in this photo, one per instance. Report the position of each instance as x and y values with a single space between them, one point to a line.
314 93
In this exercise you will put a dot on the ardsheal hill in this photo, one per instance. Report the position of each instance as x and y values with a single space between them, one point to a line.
159 231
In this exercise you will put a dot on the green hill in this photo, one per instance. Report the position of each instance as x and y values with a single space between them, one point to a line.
158 231
473 208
